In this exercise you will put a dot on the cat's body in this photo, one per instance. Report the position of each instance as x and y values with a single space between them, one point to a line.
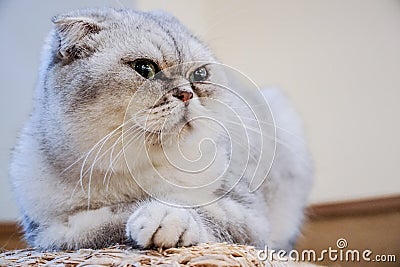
73 194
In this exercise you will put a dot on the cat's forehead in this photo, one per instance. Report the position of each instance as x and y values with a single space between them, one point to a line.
155 35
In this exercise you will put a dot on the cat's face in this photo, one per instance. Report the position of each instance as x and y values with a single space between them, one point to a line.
143 70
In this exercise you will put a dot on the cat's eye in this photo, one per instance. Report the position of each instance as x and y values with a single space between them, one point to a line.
146 68
199 74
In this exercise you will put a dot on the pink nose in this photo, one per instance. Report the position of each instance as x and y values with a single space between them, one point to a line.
184 95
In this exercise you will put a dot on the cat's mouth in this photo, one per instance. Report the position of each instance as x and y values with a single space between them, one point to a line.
164 120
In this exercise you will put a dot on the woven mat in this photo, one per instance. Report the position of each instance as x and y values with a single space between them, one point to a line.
121 256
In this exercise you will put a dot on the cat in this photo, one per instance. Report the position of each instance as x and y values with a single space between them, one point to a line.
134 140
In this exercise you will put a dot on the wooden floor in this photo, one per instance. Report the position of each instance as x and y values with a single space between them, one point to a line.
370 224
379 233
10 237
364 225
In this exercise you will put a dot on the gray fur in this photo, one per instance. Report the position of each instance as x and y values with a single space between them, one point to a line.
84 93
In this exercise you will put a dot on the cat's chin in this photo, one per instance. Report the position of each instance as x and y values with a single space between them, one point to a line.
171 134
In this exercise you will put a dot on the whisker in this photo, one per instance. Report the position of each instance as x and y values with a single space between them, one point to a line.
82 173
94 161
239 136
276 126
120 153
112 160
137 132
100 143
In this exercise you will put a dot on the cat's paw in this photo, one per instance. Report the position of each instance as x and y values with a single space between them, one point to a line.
158 225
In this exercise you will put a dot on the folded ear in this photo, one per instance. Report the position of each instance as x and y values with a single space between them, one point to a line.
74 35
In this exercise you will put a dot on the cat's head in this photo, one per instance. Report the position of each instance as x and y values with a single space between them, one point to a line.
107 68
117 84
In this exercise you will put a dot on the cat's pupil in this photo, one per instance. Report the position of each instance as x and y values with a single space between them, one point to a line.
145 68
200 74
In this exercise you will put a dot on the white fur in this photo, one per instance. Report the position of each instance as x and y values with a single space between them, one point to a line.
167 226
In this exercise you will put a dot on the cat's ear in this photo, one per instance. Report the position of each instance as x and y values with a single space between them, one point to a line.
74 34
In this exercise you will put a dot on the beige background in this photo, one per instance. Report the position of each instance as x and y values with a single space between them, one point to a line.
338 61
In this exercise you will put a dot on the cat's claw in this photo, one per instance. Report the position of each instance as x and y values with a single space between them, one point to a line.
158 225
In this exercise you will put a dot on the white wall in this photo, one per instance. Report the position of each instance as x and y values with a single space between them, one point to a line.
337 60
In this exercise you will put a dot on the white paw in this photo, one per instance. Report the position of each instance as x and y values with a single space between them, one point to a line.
157 225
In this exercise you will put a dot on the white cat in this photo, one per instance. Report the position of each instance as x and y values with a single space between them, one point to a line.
137 137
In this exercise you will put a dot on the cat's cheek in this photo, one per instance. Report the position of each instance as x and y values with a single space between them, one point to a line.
157 225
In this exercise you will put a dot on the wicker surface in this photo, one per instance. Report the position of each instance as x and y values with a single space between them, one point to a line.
202 255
